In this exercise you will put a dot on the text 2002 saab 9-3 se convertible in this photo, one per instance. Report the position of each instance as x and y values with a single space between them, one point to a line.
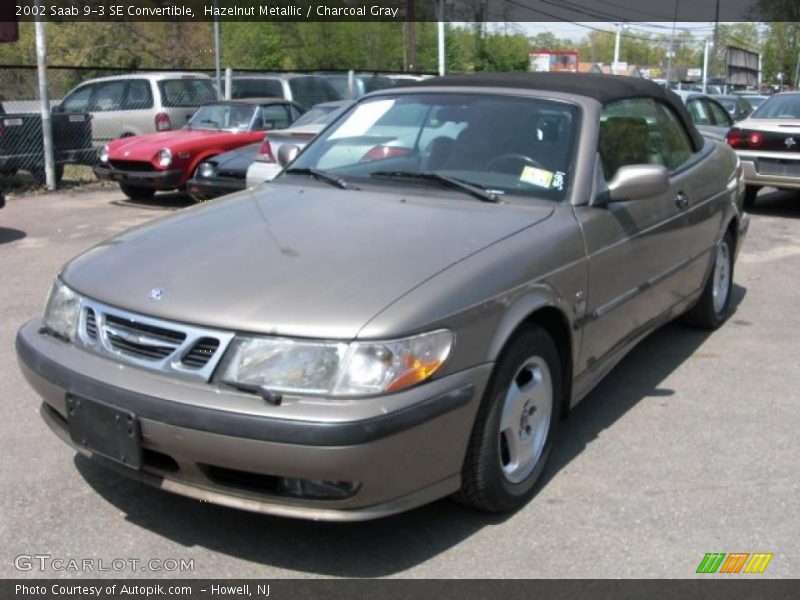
407 311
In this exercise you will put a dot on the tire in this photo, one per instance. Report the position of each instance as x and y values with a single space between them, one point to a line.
713 309
137 193
491 479
750 193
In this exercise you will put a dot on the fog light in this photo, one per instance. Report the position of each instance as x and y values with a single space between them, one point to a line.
316 489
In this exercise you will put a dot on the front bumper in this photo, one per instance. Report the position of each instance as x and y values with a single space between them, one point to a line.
157 180
206 189
408 453
752 176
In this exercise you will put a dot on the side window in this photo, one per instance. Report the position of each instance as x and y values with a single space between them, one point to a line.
699 111
275 116
108 96
139 95
674 144
78 101
627 129
296 112
719 115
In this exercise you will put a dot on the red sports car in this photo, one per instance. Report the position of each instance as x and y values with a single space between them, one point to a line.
145 164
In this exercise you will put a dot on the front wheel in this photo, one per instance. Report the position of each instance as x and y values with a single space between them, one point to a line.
137 193
513 432
714 305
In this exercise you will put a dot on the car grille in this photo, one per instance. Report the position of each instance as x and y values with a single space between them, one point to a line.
132 165
151 343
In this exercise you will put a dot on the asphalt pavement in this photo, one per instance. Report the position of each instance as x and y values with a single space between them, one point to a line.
689 446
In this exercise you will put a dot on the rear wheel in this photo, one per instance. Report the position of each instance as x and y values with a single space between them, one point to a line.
714 305
750 193
512 435
137 193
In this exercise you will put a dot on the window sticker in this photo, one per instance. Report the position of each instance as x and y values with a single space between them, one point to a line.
558 181
537 177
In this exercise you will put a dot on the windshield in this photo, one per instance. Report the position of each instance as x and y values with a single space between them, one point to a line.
319 115
779 107
231 117
755 101
503 144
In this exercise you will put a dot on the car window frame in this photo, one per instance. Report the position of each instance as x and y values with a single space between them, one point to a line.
714 104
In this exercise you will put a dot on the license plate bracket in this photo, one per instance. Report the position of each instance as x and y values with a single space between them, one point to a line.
105 430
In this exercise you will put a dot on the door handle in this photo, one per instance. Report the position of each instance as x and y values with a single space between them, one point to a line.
681 200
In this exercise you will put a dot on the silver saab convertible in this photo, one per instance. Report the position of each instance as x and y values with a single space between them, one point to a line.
408 310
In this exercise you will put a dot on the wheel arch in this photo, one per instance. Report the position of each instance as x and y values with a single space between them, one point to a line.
547 311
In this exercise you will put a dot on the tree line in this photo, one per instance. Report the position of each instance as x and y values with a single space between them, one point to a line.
367 46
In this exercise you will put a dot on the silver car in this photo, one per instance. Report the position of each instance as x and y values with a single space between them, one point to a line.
768 144
405 323
135 104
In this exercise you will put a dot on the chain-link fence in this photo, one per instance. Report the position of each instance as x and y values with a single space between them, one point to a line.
22 162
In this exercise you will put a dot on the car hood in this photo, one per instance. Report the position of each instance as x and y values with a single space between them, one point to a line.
292 260
145 146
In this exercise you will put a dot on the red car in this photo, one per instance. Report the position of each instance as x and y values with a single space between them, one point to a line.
145 164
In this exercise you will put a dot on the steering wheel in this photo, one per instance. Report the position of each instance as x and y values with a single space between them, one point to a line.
511 158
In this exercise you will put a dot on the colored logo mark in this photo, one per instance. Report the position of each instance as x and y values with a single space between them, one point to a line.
735 562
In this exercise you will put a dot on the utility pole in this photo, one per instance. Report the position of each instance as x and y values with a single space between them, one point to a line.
44 97
671 51
616 49
441 38
705 64
217 64
716 36
411 35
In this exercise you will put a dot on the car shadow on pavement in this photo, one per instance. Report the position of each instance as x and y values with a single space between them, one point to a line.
9 234
170 201
778 203
394 544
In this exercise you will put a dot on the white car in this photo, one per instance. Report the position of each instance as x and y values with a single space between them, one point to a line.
270 159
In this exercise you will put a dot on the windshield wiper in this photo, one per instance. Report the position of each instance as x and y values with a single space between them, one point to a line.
453 182
319 174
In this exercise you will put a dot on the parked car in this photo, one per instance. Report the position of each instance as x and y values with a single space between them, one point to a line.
755 100
138 103
2 199
708 115
768 144
22 147
737 106
280 147
146 164
355 341
222 174
350 86
305 90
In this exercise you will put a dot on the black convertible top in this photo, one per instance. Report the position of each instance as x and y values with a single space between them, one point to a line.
603 88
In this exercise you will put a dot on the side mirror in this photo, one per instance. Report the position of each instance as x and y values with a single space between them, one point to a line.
287 153
637 182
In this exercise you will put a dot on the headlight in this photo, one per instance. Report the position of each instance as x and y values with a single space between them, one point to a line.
164 158
340 369
104 154
62 310
205 170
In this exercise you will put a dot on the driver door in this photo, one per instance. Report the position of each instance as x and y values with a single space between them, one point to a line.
635 248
